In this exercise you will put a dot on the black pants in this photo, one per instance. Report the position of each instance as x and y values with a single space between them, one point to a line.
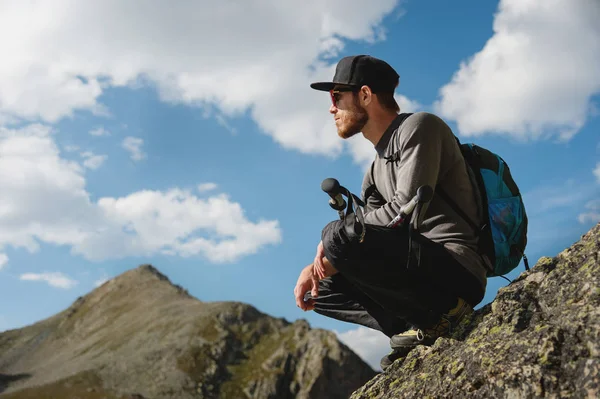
374 287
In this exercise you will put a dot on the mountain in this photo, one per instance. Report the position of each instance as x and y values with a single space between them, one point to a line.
140 336
539 338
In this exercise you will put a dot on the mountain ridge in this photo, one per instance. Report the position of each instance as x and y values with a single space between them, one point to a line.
140 334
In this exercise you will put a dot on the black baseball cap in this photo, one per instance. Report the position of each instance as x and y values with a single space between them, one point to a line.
360 70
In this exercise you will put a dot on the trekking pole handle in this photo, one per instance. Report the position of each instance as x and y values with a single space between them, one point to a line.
424 194
332 187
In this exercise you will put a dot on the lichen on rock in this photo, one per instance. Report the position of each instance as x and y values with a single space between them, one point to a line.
540 337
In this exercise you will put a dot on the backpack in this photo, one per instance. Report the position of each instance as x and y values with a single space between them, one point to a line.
502 237
503 233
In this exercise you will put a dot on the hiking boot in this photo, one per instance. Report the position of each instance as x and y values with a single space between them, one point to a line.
391 357
407 340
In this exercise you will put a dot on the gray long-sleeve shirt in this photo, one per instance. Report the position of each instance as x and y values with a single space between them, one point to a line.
426 152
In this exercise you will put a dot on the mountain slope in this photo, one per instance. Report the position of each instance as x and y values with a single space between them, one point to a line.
140 336
540 337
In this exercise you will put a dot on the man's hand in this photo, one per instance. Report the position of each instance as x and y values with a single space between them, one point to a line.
307 281
318 262
322 266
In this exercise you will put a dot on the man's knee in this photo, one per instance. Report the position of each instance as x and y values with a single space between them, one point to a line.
336 244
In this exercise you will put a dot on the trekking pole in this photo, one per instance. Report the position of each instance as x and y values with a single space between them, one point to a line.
332 187
353 219
424 194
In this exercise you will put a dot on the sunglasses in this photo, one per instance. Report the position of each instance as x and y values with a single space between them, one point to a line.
335 94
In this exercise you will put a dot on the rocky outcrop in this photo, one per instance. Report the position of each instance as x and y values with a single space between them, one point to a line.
540 337
139 336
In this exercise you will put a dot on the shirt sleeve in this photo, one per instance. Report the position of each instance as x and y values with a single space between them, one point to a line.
419 144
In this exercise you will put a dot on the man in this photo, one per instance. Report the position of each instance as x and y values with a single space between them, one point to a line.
413 287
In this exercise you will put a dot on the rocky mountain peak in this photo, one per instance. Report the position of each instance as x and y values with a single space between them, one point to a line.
138 335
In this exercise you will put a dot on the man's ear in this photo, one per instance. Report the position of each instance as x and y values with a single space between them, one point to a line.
365 96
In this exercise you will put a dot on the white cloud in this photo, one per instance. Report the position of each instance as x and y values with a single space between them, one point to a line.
101 281
206 54
557 196
204 187
92 161
99 131
553 209
54 279
534 77
134 146
47 198
593 214
371 345
71 148
179 222
47 202
597 172
407 105
223 122
3 260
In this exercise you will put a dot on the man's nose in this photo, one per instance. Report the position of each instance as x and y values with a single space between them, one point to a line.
332 109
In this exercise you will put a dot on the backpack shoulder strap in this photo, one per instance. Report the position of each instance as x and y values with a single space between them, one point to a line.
475 183
372 188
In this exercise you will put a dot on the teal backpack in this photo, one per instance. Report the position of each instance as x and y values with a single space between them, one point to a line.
503 234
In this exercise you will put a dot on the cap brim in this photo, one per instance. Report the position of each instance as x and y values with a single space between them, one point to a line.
323 86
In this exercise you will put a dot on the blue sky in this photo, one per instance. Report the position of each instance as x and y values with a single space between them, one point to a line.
188 137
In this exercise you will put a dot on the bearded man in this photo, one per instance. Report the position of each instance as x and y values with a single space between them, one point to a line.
368 282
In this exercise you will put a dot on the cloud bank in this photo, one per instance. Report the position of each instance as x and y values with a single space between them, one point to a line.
256 57
44 199
535 77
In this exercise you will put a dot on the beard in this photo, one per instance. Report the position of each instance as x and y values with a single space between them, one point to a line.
353 122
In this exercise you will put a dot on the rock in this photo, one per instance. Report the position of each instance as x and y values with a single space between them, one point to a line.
539 338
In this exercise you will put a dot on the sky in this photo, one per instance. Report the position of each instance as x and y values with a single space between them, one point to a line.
185 135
